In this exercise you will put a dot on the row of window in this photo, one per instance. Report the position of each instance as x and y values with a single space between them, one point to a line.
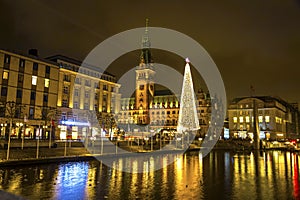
247 112
67 78
35 66
153 113
34 79
86 94
19 94
96 74
247 119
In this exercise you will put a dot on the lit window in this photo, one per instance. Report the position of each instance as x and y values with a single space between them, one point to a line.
267 118
34 80
278 120
241 119
260 119
47 81
247 119
5 74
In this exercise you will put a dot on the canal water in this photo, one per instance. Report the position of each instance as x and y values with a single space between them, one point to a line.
219 175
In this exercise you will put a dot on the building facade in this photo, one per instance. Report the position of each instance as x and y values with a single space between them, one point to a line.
28 99
277 119
84 93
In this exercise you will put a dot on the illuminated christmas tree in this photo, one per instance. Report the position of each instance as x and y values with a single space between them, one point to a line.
188 118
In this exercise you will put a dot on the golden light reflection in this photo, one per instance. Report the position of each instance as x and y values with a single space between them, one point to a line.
179 168
165 172
200 156
15 185
91 182
116 179
134 178
151 175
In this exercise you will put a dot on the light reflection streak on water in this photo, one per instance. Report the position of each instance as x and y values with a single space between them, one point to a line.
179 172
164 185
91 183
71 181
296 177
134 179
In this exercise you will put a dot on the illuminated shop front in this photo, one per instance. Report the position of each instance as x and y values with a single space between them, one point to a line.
74 130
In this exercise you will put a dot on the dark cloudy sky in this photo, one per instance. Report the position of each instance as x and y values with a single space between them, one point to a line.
253 42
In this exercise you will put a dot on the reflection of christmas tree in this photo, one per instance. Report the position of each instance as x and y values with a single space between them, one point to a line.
188 119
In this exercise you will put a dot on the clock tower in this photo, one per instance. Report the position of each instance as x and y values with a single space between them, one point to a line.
144 81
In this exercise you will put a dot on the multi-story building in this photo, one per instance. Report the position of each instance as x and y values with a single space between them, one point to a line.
277 119
153 109
83 92
28 94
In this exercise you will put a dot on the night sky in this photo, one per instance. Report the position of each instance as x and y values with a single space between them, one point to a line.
253 42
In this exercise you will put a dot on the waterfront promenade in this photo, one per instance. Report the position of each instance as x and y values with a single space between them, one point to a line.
74 151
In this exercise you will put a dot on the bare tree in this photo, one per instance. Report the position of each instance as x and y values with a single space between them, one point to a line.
11 111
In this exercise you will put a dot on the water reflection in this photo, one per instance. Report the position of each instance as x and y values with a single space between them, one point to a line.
219 175
71 180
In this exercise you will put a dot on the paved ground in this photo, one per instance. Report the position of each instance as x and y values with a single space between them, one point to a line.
8 196
69 150
17 154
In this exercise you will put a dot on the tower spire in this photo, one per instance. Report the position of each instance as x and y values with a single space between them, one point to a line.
145 39
146 54
147 21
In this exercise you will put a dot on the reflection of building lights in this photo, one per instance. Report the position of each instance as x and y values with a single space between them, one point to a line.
68 179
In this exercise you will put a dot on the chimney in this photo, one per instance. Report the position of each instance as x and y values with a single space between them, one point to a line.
33 52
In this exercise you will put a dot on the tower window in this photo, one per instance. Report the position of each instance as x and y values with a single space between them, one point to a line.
141 87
